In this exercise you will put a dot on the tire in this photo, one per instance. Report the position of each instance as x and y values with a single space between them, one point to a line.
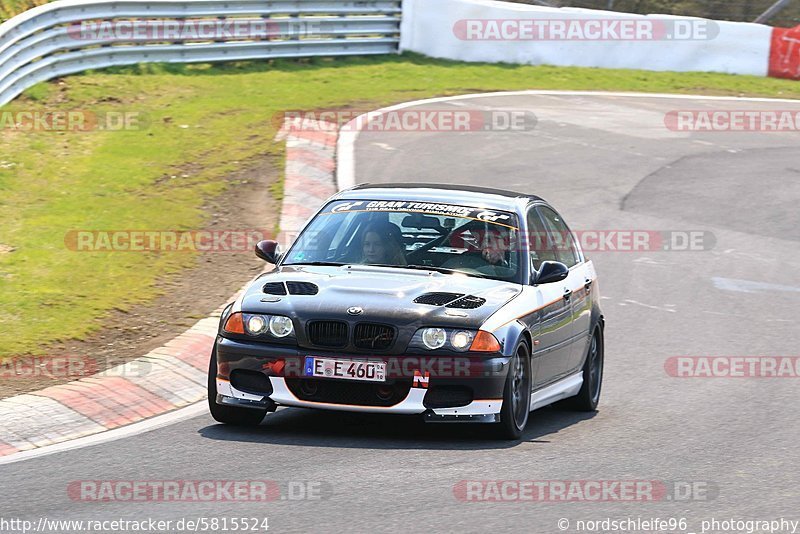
588 397
230 415
516 395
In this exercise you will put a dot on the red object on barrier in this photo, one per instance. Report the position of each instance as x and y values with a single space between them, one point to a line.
784 56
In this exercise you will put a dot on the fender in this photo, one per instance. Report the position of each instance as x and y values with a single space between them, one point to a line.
597 314
511 334
597 319
224 317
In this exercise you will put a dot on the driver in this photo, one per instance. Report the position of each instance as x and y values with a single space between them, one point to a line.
382 244
494 244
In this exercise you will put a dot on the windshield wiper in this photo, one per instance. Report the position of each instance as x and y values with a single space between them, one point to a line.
439 270
414 267
317 264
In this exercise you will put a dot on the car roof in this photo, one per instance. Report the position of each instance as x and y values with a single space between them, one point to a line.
484 197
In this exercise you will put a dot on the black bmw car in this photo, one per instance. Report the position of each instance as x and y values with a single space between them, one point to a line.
458 304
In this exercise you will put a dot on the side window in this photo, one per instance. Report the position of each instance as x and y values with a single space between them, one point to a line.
542 247
564 243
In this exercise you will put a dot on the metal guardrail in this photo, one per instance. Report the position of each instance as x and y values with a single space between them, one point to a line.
69 36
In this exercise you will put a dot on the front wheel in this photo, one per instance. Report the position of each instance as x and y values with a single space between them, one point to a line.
516 395
589 396
230 415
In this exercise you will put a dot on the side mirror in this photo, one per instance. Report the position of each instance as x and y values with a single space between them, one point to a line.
267 251
550 272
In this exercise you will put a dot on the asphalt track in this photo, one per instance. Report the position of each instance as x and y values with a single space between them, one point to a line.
607 163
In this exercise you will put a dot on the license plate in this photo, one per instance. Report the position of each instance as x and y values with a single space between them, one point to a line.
346 369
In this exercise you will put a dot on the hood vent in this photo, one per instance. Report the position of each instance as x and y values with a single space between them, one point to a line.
451 300
302 288
437 299
294 288
274 288
470 302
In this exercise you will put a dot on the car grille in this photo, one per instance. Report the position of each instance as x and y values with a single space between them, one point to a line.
251 382
348 392
328 333
447 397
373 336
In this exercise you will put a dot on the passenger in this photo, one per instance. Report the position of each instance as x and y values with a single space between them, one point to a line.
383 245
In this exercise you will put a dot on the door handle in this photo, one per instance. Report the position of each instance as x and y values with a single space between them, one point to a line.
567 294
588 284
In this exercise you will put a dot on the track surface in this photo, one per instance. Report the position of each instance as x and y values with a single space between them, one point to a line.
606 162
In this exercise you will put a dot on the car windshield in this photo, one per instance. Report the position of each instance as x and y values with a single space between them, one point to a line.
443 237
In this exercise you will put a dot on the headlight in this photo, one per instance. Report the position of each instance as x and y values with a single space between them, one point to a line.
452 339
461 340
256 325
280 326
434 338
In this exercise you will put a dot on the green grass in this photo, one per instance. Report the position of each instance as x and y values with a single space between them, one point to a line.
9 8
202 123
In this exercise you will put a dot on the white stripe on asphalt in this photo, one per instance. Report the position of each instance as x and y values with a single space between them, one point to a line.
749 286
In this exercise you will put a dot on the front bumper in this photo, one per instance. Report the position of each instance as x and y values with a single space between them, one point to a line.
477 378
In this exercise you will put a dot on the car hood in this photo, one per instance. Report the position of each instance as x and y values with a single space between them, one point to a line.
385 295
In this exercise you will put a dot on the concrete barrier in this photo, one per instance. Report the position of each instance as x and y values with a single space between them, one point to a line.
490 31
